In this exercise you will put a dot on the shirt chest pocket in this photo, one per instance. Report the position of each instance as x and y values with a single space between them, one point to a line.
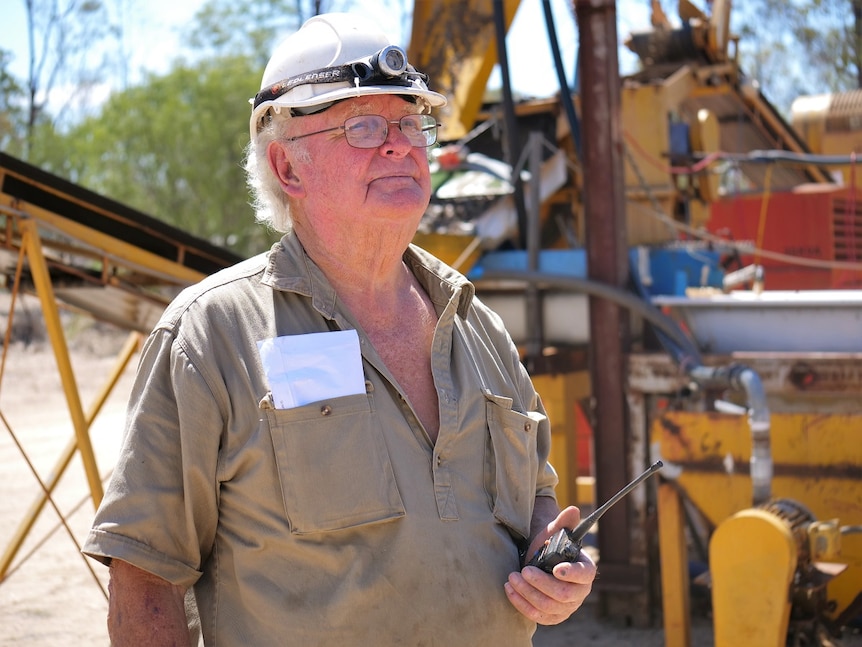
333 465
511 462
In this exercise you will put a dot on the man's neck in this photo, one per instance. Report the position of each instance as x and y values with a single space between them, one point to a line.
361 270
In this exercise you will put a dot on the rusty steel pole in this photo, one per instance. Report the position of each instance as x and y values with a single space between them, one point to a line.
607 262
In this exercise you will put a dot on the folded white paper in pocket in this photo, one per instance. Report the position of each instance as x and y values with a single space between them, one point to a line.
307 368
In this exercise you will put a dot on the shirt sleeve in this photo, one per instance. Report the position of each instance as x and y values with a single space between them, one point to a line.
160 509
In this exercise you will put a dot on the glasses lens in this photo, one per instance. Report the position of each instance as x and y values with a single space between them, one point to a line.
421 130
365 131
370 131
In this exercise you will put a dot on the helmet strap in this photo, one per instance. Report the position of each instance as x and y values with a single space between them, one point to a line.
359 74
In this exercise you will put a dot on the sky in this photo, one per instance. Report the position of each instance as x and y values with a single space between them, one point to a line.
152 30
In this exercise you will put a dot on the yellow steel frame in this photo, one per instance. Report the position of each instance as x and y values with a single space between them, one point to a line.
458 53
559 393
121 262
817 458
674 567
55 227
103 248
31 250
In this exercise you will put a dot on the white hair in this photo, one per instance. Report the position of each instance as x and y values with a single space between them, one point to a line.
270 202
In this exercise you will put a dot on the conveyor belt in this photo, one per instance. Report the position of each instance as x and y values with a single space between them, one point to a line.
117 263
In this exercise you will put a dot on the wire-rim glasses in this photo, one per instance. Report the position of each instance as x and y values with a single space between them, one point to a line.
371 131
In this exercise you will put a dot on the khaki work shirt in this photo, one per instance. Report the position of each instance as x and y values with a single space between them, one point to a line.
336 522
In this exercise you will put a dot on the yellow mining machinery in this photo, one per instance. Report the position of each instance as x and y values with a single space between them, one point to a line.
756 415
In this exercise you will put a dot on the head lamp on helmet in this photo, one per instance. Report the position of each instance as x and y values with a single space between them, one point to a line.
334 57
386 67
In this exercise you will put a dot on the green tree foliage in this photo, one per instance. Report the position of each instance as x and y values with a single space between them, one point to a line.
172 147
11 107
810 46
66 57
248 26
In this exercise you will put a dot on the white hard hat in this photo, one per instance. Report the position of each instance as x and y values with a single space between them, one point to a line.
335 56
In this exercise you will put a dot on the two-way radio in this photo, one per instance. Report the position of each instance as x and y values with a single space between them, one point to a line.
565 544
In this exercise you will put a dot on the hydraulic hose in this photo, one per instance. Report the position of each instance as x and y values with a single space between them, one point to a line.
688 351
770 156
510 119
565 91
686 355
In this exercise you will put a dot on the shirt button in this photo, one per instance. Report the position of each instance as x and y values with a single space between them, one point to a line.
325 410
439 460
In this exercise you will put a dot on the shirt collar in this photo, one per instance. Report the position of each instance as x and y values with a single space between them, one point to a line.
290 269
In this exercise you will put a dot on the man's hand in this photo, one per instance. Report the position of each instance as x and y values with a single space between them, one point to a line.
550 599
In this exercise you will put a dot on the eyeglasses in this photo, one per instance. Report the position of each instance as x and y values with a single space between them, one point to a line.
371 131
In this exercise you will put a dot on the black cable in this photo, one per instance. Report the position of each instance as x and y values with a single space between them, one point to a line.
510 122
682 349
565 91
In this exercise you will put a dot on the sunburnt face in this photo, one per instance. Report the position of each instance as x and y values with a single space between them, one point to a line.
337 188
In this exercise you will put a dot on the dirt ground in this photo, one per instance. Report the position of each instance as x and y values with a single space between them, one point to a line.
51 594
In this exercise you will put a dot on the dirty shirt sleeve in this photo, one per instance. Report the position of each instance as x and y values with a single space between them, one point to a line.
160 509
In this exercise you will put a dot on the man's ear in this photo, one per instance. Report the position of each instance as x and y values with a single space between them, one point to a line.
281 164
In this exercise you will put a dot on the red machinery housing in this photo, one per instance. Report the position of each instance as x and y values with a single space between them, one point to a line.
806 235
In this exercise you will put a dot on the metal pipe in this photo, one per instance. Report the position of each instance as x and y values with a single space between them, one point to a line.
745 379
759 422
607 262
753 274
535 339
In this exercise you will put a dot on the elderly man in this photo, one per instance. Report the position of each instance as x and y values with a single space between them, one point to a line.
335 443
